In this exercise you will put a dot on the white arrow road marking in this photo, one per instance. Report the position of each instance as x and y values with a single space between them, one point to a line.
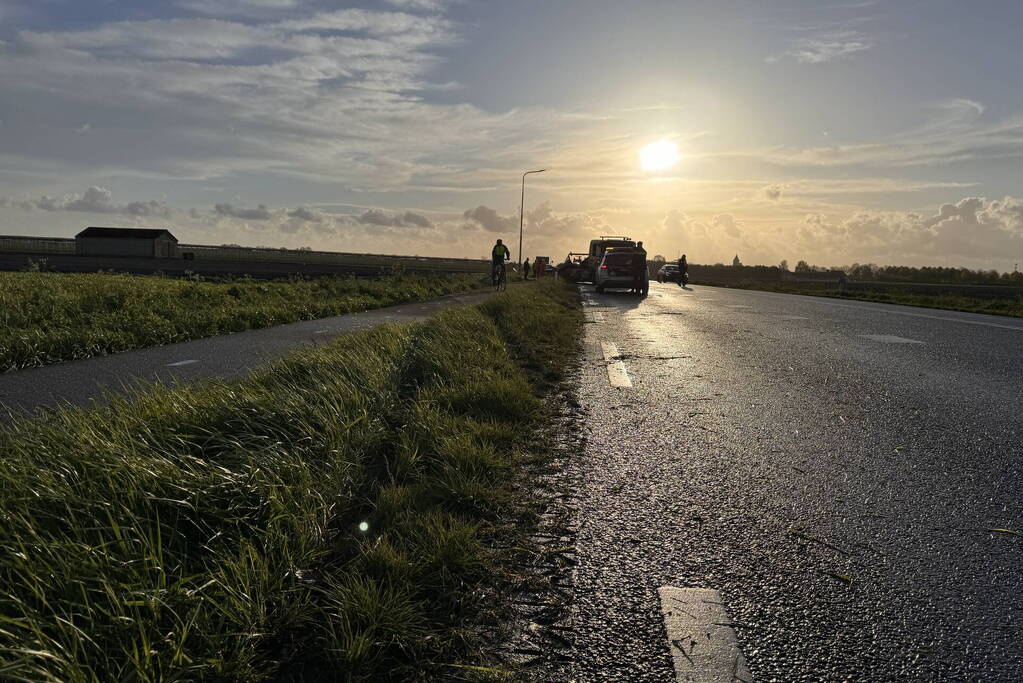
617 375
181 362
700 636
891 339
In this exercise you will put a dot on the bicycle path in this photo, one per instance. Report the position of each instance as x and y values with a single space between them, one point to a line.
227 356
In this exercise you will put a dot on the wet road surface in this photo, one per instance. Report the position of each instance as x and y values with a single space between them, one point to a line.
846 474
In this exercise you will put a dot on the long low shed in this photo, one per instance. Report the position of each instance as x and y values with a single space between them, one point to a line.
131 242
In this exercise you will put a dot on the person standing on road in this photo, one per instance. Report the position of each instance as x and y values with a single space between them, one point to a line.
525 269
683 270
638 267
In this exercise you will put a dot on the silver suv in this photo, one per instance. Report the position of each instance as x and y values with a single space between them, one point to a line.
615 271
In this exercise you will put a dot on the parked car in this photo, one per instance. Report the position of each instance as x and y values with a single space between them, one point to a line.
669 272
615 271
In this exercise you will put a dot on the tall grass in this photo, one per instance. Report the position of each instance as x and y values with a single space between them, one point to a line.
328 519
51 317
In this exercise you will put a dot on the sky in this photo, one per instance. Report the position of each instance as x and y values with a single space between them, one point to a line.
831 131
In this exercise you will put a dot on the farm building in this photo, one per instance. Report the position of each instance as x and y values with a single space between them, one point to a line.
135 242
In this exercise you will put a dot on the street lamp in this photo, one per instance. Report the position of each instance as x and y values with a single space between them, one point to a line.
522 213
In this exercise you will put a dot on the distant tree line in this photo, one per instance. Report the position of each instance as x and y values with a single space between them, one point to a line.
857 272
869 272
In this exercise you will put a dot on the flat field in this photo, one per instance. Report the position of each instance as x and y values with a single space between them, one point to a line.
52 317
893 295
337 516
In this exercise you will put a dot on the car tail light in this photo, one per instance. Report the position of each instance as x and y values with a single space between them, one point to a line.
603 266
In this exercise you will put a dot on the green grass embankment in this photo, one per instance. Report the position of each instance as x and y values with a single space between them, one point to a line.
892 295
334 517
53 317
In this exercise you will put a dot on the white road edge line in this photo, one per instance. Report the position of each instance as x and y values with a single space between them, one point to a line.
701 639
617 375
181 362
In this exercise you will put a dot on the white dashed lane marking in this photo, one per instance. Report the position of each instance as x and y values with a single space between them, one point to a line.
180 363
701 639
891 339
617 375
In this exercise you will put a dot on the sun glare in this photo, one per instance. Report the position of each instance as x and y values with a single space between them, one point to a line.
659 156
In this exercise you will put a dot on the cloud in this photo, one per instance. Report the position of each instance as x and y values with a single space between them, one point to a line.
954 131
975 229
260 213
425 5
772 192
727 223
94 200
490 220
383 218
416 219
825 47
232 8
303 214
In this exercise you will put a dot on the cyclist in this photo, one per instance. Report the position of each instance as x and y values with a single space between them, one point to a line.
498 255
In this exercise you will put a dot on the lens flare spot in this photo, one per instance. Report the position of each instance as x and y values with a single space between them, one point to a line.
364 526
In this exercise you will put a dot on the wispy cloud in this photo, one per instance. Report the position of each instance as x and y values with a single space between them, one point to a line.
825 47
955 131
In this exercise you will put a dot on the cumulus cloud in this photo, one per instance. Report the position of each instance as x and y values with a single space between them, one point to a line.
260 213
975 229
772 192
94 200
303 214
394 220
490 220
416 219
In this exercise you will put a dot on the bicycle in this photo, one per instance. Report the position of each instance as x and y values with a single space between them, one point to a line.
499 276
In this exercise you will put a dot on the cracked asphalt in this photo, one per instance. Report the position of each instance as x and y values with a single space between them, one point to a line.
853 497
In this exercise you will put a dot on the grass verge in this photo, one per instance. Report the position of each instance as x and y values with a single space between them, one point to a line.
332 518
1006 306
52 317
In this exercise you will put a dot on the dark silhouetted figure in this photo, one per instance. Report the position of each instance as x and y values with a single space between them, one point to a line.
638 266
525 269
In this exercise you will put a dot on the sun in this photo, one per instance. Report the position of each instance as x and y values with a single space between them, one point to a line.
659 156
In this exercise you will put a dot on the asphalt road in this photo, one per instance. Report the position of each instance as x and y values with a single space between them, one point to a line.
839 489
228 356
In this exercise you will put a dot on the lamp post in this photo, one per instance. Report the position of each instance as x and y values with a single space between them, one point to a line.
522 213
